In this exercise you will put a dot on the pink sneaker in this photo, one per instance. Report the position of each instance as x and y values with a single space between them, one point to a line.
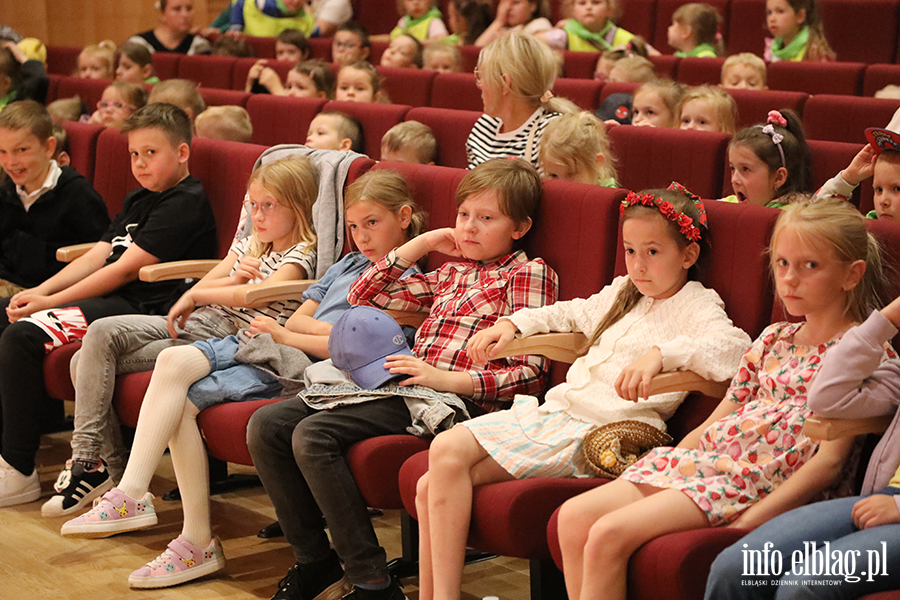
113 513
182 561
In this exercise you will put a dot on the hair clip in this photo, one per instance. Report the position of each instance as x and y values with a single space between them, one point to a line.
685 223
698 202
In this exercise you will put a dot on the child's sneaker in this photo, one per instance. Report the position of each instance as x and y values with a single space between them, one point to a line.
113 513
182 561
16 488
76 487
391 592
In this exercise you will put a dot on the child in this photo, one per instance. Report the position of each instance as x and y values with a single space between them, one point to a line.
526 16
750 460
231 123
515 74
97 61
359 82
44 205
633 69
229 46
880 159
65 109
591 28
169 218
270 17
656 102
421 19
351 44
443 57
308 79
575 148
797 32
303 484
770 164
708 108
467 19
61 153
134 63
281 247
409 142
180 92
637 47
404 52
694 31
119 100
652 320
20 78
744 71
292 46
333 130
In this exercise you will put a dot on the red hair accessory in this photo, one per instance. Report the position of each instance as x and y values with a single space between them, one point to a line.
698 202
684 222
776 118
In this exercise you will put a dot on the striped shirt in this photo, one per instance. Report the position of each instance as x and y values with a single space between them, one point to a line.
486 142
463 298
303 255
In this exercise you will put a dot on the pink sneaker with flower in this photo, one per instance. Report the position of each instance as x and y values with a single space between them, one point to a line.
113 513
182 561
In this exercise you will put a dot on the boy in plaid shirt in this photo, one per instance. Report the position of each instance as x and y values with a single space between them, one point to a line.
299 451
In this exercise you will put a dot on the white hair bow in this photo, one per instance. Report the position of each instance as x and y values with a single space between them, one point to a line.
776 137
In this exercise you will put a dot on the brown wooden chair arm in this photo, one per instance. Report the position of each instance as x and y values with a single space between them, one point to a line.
687 381
408 317
179 269
69 253
820 428
247 295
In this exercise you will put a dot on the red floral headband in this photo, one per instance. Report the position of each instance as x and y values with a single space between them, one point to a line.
685 223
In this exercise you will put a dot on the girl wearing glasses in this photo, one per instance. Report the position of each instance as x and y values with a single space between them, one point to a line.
119 100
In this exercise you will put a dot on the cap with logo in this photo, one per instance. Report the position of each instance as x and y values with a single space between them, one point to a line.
359 342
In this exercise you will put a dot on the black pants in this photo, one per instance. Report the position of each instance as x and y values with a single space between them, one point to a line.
22 392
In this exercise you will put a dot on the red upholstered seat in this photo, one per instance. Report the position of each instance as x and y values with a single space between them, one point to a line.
83 145
242 67
263 47
457 91
52 87
378 17
664 11
746 27
849 21
879 76
378 49
580 65
617 88
207 71
321 48
407 86
165 64
845 118
666 65
219 97
817 77
451 129
583 92
754 105
270 127
89 90
697 71
376 119
112 170
224 427
639 17
469 57
829 158
62 60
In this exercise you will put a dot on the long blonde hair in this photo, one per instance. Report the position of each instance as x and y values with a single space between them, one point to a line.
294 182
574 141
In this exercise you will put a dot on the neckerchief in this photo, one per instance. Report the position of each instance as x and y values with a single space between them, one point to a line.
433 13
696 51
782 52
597 39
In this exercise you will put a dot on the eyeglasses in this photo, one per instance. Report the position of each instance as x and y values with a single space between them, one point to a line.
345 45
266 208
116 105
477 75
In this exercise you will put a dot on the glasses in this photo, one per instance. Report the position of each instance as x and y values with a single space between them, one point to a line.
345 45
116 105
477 75
266 208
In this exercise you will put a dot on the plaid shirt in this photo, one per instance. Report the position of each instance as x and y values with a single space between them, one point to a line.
463 298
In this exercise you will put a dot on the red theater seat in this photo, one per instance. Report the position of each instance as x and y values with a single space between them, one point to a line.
217 97
746 27
270 125
879 76
89 90
112 170
62 60
451 130
754 105
165 64
263 47
697 71
845 118
242 67
83 146
817 77
583 92
378 17
376 119
580 65
639 17
407 86
321 48
829 159
207 71
456 90
849 21
617 88
666 66
469 57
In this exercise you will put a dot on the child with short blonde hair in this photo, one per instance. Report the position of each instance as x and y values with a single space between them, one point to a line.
359 82
575 148
409 142
334 130
97 61
443 57
590 28
744 71
694 31
231 123
708 108
66 109
404 52
631 69
120 99
797 32
655 103
180 92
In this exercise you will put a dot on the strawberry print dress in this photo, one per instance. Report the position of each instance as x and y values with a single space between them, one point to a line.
749 453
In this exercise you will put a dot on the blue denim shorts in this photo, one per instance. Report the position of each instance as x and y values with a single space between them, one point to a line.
229 380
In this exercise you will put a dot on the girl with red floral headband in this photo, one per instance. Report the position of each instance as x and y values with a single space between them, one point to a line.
652 320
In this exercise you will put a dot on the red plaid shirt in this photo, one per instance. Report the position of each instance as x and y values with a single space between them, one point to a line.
461 299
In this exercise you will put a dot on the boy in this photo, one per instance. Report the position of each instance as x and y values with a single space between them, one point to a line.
409 142
292 46
333 130
405 52
180 92
351 43
879 159
299 451
231 123
744 71
169 218
43 205
270 17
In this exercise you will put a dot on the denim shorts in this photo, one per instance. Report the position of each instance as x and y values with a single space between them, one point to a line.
229 380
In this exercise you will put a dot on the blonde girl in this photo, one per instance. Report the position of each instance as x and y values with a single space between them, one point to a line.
750 460
359 82
770 163
655 103
97 61
421 19
119 100
526 16
708 108
575 148
591 27
280 247
134 63
515 74
797 32
694 31
442 56
654 319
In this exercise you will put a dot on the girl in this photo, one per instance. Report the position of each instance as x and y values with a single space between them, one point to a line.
575 148
770 164
176 21
308 79
743 465
134 64
118 101
404 52
359 82
694 31
655 303
443 57
797 32
96 61
281 246
708 108
527 16
655 103
421 19
467 19
515 74
591 28
292 46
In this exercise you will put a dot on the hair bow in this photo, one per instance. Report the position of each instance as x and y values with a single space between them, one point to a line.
776 139
776 118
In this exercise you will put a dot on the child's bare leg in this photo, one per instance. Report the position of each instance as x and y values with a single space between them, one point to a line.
426 581
456 464
192 474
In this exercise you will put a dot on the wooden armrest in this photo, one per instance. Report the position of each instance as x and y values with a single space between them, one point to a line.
70 253
408 317
820 428
687 381
179 269
246 295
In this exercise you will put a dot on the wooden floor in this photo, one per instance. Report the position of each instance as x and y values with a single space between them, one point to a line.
37 563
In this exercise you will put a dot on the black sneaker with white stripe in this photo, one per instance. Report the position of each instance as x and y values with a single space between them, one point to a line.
76 487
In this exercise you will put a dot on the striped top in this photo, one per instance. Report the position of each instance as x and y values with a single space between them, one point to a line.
302 254
486 142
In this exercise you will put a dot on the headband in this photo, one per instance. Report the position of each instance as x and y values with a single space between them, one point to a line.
685 223
775 118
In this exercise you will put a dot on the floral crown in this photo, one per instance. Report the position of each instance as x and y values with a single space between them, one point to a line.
685 223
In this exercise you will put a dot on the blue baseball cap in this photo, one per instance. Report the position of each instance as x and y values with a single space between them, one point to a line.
359 342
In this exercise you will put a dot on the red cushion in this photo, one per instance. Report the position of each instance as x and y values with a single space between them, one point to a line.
879 76
746 27
83 145
269 125
845 118
817 77
375 464
112 171
469 57
263 47
378 49
665 65
754 105
829 158
376 119
89 90
407 86
321 48
224 429
165 64
639 17
664 11
583 92
378 17
580 64
456 90
56 372
697 71
219 97
242 67
849 21
451 130
617 88
129 395
62 60
207 71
